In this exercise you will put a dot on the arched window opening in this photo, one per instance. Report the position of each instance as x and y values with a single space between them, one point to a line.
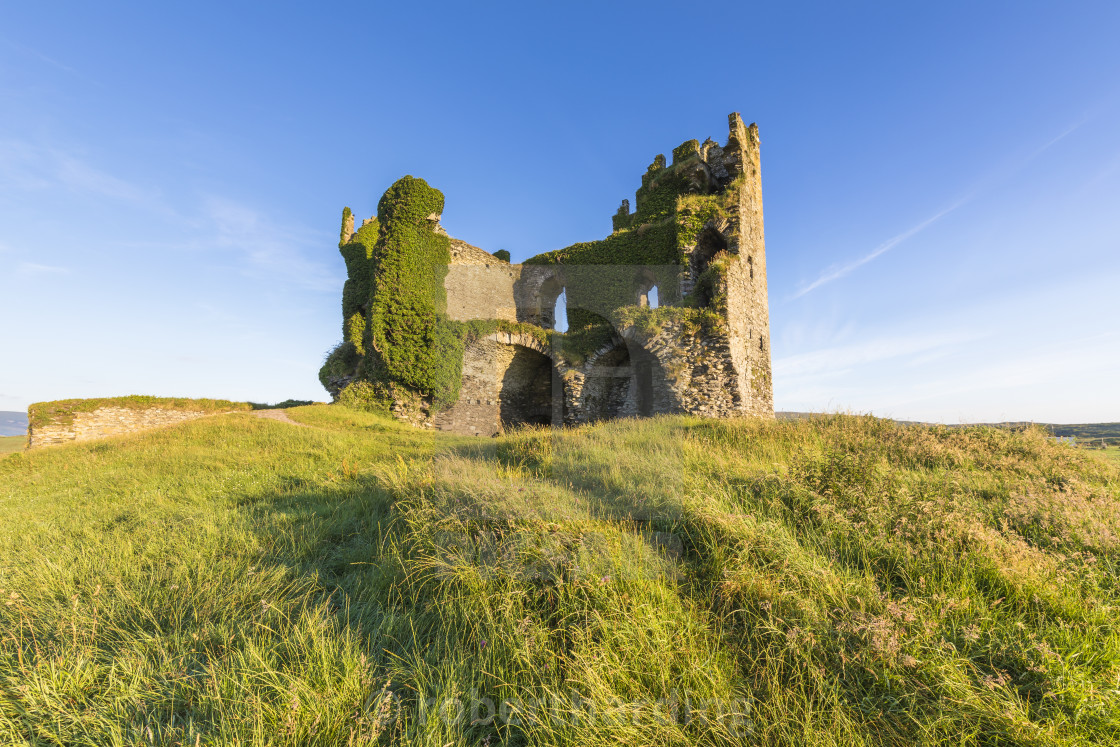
647 289
552 304
560 312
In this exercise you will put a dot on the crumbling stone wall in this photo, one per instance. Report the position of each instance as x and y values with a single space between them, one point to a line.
508 379
107 421
479 285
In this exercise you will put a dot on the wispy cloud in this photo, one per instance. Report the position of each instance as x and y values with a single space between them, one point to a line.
271 248
985 388
837 272
257 244
33 268
28 51
29 167
838 359
80 176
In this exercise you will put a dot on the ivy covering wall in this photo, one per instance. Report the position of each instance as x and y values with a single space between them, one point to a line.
398 341
412 343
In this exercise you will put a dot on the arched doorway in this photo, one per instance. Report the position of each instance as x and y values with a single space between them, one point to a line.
532 392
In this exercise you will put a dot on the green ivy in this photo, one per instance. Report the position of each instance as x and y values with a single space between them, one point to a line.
342 361
411 340
355 330
358 254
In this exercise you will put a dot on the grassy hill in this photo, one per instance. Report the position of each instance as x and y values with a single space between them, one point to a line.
825 581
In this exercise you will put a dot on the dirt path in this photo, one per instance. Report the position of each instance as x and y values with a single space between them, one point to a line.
280 415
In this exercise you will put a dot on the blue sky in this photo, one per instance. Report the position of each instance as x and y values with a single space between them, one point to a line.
941 181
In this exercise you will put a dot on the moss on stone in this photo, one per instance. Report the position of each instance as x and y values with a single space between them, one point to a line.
651 321
61 412
686 149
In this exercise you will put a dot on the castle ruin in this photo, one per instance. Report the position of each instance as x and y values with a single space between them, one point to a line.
447 335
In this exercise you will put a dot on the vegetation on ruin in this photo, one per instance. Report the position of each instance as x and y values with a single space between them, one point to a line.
396 333
678 581
397 336
411 341
691 321
672 211
357 254
62 411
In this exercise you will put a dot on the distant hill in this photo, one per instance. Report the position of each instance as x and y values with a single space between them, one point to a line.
1084 431
13 423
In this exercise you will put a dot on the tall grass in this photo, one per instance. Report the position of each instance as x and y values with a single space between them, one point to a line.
834 581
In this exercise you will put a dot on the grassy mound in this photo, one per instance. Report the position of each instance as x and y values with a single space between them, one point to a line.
62 411
840 581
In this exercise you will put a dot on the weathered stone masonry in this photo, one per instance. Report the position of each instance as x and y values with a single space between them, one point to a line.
696 236
107 421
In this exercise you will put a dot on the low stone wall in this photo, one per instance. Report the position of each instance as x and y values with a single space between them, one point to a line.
108 421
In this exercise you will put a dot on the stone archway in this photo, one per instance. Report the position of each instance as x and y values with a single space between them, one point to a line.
530 390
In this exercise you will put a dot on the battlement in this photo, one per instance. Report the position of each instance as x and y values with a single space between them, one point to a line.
697 168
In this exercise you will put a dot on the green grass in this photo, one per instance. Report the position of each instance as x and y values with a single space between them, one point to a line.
11 444
1112 453
673 581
